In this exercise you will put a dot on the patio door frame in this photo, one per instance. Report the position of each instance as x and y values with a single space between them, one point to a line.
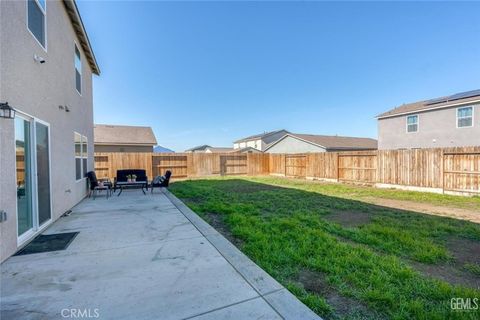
36 227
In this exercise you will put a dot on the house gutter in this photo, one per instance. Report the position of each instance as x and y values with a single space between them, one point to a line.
428 109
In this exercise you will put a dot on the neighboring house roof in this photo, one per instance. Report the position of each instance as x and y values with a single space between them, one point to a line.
219 149
246 150
206 148
260 136
203 147
437 103
74 15
332 142
160 149
123 135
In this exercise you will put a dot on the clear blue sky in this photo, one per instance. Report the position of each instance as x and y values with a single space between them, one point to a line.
213 72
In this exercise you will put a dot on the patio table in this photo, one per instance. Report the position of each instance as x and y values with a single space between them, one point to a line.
122 185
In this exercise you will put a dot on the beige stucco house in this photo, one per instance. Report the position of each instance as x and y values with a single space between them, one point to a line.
259 141
308 143
451 121
46 66
116 138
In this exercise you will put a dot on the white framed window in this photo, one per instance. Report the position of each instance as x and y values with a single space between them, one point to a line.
81 156
465 117
78 70
37 20
412 123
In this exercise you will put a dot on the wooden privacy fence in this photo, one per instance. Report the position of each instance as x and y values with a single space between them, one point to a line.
461 171
359 167
452 169
296 165
182 165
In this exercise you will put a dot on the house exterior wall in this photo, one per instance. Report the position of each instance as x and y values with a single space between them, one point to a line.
256 143
119 148
293 145
261 143
37 90
436 128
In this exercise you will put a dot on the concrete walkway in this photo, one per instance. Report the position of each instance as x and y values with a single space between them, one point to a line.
142 257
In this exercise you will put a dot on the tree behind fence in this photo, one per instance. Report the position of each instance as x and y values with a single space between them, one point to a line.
452 169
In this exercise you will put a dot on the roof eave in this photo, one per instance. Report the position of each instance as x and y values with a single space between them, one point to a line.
259 136
385 115
77 23
124 144
352 148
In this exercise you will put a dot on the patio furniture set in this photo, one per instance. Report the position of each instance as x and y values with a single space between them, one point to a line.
126 179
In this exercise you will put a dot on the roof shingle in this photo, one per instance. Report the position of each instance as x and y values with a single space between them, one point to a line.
260 135
471 96
123 135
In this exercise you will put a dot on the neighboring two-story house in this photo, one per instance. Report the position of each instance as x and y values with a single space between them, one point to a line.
259 141
46 66
452 121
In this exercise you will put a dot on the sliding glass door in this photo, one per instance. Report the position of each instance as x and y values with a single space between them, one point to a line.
43 172
32 150
23 145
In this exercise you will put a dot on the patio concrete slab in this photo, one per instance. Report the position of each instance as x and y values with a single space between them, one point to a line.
137 257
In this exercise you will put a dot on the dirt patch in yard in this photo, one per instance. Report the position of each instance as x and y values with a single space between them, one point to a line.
344 307
464 252
457 213
349 219
449 273
217 222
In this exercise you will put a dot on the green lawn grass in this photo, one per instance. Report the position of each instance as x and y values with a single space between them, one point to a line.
284 226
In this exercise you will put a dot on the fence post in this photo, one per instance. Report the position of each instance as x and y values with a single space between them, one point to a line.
338 166
189 164
442 166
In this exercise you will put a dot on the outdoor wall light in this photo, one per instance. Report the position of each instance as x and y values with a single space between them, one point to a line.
38 59
6 111
65 107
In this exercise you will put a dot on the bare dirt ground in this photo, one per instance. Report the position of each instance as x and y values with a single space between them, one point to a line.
457 213
464 251
345 307
349 219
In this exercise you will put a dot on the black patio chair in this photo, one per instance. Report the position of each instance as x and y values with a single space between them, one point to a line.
95 185
161 181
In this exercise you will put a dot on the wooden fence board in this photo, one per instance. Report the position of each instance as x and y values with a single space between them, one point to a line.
322 165
296 165
357 167
277 164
